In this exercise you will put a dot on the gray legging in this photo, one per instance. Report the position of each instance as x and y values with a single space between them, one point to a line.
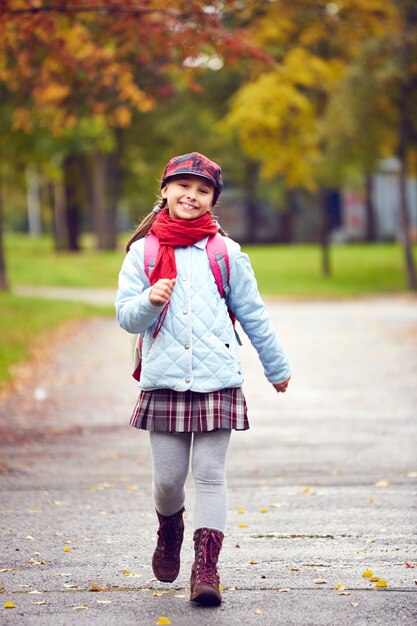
171 461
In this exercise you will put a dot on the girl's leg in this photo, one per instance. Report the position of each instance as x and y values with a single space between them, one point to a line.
209 471
170 463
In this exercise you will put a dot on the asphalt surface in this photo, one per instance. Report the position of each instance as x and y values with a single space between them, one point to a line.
321 489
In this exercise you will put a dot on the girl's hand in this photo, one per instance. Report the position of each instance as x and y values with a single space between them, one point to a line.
161 291
281 387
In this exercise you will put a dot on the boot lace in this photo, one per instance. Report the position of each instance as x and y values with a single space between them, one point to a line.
168 538
211 547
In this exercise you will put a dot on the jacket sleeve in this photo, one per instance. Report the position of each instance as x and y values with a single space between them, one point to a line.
135 313
247 304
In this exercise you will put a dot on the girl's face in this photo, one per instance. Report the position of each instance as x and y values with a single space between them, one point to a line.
188 196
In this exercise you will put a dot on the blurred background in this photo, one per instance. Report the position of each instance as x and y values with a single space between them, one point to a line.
309 106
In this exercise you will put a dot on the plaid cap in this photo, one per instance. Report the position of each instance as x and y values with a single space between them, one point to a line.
198 165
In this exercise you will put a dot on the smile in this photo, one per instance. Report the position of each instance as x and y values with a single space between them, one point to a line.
188 207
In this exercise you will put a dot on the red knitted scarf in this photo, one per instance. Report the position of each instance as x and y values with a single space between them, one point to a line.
171 234
174 233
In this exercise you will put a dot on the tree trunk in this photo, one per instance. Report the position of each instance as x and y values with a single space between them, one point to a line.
33 202
286 226
251 202
98 198
72 202
106 188
404 208
370 234
60 222
3 271
324 233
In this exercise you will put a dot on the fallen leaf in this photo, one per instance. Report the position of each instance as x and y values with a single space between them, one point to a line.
253 562
307 489
284 590
220 587
8 569
339 587
371 500
243 525
79 608
367 574
241 511
374 579
163 620
131 487
34 592
29 538
381 583
257 611
263 511
319 581
9 605
96 588
412 475
382 483
70 586
344 593
67 549
354 603
40 602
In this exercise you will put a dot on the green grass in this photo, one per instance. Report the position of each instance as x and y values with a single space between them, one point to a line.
33 261
356 270
287 271
26 320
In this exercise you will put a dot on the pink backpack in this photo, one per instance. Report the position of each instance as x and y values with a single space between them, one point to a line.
219 262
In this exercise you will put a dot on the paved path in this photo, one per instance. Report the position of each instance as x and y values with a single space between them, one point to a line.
326 479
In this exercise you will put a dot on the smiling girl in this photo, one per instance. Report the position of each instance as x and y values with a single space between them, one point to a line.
191 380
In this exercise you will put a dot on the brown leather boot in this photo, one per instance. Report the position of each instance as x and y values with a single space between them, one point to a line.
205 581
166 558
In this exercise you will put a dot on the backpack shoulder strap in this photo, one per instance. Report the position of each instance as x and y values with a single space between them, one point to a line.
150 253
219 262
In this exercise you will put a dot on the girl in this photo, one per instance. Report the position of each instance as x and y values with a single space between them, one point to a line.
191 395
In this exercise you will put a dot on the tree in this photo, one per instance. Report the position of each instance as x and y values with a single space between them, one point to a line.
278 116
64 65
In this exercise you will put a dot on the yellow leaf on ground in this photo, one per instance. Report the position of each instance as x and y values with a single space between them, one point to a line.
243 525
79 608
253 562
263 511
257 611
9 605
241 511
96 588
339 587
307 489
382 483
367 574
67 549
381 583
374 579
163 620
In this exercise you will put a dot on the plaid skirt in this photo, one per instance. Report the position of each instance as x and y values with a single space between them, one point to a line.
189 411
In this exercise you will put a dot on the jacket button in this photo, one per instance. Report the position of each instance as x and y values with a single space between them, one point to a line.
187 346
188 380
185 311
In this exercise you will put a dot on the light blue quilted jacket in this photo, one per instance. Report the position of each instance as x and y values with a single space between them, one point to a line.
196 348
